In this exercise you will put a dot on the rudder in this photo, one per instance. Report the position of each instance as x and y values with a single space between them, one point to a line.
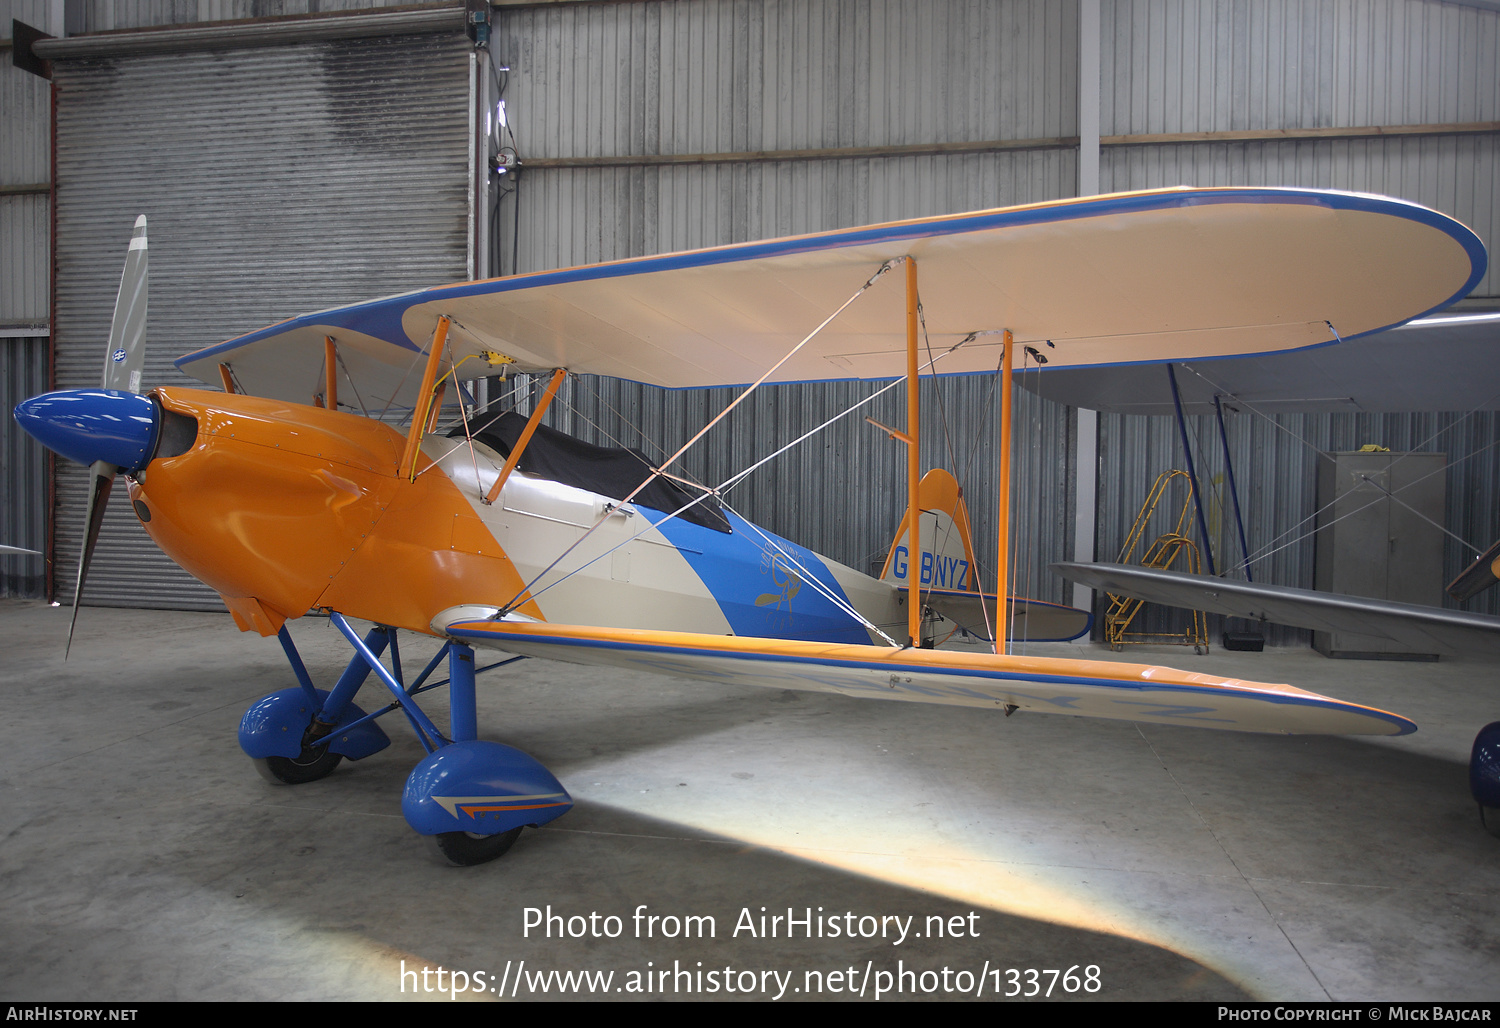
944 535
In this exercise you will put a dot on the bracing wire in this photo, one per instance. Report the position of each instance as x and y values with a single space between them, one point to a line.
721 489
347 377
404 376
952 457
1396 499
644 437
1271 547
655 472
468 439
1263 553
464 416
812 580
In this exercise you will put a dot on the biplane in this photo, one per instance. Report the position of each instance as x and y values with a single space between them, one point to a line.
281 492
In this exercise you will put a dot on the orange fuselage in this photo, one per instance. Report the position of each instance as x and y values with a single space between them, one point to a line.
283 508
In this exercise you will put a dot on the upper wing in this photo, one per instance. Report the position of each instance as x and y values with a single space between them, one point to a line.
1162 275
1130 692
1423 628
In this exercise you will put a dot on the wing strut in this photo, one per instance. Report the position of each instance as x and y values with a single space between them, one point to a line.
424 399
913 460
1002 586
558 374
330 374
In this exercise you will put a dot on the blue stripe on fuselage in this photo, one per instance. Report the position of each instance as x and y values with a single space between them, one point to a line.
760 592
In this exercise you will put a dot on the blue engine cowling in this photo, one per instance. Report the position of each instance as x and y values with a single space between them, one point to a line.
274 726
484 788
88 425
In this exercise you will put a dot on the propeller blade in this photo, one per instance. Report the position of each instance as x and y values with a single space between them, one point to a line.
6 551
101 481
126 354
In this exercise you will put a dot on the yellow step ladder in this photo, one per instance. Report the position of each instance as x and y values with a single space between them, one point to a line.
1164 552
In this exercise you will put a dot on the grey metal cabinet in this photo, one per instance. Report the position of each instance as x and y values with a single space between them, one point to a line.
1378 536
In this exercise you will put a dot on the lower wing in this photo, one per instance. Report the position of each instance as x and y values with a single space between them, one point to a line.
1128 692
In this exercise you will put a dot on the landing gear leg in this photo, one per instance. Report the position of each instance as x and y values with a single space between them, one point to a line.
474 797
301 734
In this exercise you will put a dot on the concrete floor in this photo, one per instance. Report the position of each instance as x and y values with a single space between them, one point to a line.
141 857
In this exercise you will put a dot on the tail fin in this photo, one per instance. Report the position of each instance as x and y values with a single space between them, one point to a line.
947 549
946 572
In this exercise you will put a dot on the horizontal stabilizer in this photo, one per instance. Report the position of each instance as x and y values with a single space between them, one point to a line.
1419 627
1128 692
1030 620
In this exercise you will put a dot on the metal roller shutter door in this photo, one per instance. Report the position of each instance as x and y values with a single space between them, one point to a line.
276 180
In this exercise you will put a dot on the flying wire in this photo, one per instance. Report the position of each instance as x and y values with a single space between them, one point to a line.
716 492
714 421
350 379
1271 547
1263 553
814 581
468 441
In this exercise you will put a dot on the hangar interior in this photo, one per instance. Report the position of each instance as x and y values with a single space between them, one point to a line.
294 156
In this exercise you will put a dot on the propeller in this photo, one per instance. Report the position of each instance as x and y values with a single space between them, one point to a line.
110 429
127 332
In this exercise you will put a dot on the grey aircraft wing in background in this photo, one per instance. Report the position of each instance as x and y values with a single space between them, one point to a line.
1424 628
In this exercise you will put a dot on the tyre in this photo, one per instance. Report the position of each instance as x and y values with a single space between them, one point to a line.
463 849
308 766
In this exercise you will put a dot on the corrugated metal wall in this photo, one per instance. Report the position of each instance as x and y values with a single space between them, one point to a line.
1187 66
23 471
107 15
24 220
604 80
275 181
24 176
1192 66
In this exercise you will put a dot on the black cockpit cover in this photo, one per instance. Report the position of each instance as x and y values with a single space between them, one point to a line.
611 472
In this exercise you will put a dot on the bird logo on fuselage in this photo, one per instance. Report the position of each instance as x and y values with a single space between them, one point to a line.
785 579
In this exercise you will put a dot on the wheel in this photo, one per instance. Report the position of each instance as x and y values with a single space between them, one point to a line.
464 849
308 766
1199 650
